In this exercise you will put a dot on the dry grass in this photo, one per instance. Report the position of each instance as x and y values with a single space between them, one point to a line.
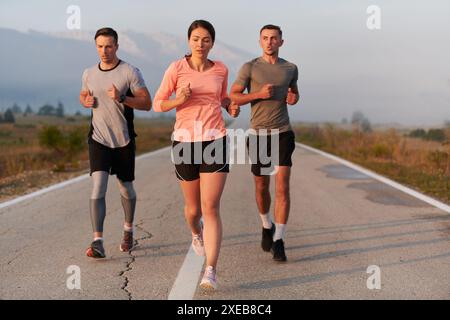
25 165
424 165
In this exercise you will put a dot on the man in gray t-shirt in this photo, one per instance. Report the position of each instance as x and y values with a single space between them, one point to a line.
112 90
271 84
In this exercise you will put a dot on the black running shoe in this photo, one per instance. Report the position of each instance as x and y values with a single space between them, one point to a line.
278 251
96 250
267 238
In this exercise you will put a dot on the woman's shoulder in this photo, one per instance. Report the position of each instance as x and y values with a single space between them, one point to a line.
220 65
176 66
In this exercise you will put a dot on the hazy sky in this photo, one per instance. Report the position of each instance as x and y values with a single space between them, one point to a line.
399 73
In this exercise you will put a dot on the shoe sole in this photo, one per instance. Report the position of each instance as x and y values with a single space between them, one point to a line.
208 287
280 260
95 254
122 250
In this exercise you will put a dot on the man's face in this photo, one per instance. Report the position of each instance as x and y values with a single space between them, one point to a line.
106 48
270 41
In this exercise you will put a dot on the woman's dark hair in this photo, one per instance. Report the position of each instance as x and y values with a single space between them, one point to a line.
202 24
107 32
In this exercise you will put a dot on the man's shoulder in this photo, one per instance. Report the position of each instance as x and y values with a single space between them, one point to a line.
247 66
127 66
287 63
91 68
252 61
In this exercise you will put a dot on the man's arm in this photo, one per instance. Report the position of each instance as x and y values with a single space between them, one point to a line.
240 98
86 99
293 95
140 101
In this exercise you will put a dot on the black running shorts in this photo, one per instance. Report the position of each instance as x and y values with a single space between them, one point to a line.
193 158
262 145
118 161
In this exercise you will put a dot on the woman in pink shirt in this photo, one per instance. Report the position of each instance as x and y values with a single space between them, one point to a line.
200 149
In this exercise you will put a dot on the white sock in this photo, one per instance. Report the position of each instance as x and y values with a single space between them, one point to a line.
128 229
266 220
98 238
280 231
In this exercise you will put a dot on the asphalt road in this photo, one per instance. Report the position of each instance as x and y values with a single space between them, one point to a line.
342 221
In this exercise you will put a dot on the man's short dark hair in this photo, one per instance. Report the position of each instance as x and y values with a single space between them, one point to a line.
272 27
107 32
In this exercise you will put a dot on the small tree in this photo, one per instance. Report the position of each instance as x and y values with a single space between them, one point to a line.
9 117
16 109
418 133
60 110
366 126
359 120
47 110
28 110
357 117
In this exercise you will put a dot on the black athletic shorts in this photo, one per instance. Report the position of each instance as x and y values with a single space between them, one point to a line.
262 145
118 161
193 158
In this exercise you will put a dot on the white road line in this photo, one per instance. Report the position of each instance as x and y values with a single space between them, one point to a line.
375 176
68 182
186 282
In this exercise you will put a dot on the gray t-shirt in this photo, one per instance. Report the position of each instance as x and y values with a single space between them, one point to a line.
109 123
269 113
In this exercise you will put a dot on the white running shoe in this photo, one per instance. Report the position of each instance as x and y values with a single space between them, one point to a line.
197 245
209 280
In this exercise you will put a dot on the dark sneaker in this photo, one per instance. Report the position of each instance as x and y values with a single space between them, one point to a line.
267 238
96 250
127 242
278 251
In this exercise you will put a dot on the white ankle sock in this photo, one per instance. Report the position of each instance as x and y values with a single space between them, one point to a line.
280 231
98 238
126 228
266 220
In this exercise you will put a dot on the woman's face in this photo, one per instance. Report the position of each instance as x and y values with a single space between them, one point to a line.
200 43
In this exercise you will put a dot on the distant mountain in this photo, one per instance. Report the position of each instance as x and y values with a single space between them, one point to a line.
39 68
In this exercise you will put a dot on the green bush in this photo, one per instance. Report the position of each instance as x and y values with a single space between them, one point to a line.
52 138
436 135
65 145
381 150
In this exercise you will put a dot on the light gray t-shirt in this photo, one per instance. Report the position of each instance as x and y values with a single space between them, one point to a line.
269 113
109 123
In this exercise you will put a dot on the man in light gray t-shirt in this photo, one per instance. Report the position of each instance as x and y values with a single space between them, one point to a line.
271 84
112 89
110 117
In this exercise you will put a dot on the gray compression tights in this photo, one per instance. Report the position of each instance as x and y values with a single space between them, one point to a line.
98 204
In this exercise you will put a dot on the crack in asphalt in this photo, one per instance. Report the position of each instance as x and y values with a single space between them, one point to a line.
128 266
